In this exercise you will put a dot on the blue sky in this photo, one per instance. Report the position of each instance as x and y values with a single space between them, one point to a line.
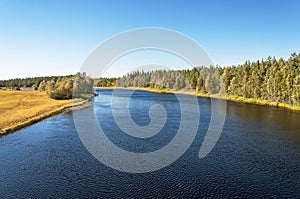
54 37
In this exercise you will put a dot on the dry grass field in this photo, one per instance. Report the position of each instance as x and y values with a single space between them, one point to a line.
22 108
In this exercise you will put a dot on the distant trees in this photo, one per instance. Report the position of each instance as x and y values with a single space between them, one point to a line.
105 82
61 89
27 82
83 84
270 79
79 85
56 87
201 79
274 80
42 86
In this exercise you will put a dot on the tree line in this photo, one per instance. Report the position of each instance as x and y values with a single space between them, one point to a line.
56 87
27 82
276 80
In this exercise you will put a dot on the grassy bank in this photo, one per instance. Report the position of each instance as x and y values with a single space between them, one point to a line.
227 97
19 109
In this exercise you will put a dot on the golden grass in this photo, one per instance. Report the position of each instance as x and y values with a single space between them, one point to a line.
22 108
217 96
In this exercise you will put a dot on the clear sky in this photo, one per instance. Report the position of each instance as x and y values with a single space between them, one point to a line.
54 37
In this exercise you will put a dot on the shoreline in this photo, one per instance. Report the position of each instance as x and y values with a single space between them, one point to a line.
227 97
81 103
78 104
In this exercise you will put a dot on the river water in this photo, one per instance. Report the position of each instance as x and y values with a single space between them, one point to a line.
257 155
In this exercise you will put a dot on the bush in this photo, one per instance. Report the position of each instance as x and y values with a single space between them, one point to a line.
64 88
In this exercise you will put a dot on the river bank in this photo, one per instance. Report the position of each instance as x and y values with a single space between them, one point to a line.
226 97
19 109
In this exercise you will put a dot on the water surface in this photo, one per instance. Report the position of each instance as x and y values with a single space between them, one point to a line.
257 155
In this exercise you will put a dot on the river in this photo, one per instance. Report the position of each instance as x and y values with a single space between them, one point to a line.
257 155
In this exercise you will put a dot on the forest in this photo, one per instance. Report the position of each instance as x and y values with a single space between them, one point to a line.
275 80
28 82
56 87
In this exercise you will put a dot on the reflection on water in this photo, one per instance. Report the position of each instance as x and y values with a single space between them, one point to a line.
257 155
26 89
